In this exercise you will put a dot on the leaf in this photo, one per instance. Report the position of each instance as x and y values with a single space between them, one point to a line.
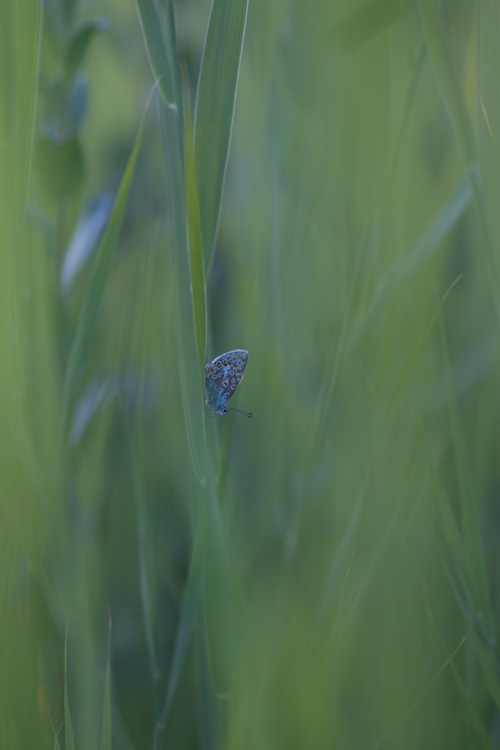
85 237
100 391
190 604
367 20
77 104
413 359
87 321
195 247
215 109
468 503
158 27
79 42
106 735
454 100
68 725
416 257
159 36
8 64
447 78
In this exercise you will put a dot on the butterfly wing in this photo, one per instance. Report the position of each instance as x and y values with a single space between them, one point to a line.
222 376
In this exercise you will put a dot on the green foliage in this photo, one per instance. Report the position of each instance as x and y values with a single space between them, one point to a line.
87 321
323 575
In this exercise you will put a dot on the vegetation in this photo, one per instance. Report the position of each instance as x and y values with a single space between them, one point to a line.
316 183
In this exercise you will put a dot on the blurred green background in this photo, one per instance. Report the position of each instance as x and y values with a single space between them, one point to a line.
326 574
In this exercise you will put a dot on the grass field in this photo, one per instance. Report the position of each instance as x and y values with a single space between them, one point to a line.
316 183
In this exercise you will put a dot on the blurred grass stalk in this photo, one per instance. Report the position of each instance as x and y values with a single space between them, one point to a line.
195 177
30 494
46 544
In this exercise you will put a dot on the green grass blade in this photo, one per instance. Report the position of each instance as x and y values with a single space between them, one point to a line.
57 746
453 97
159 36
486 662
136 447
413 359
207 701
447 78
190 374
450 536
79 42
417 256
195 247
422 694
106 741
87 321
469 503
146 568
68 724
21 42
190 605
215 108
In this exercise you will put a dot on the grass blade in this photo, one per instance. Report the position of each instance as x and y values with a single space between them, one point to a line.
417 256
215 108
422 694
68 725
159 34
195 247
136 448
469 503
413 359
87 321
190 604
447 78
161 55
106 743
461 120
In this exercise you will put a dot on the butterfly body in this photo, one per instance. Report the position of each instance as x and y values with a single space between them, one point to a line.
222 376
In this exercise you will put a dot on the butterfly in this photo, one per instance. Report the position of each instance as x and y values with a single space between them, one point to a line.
222 377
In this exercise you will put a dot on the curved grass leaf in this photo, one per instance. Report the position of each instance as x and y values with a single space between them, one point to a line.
159 36
89 230
215 109
79 42
82 342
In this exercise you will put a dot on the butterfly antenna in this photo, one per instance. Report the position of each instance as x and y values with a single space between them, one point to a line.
240 411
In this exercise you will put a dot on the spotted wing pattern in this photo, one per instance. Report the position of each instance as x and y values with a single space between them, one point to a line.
222 376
